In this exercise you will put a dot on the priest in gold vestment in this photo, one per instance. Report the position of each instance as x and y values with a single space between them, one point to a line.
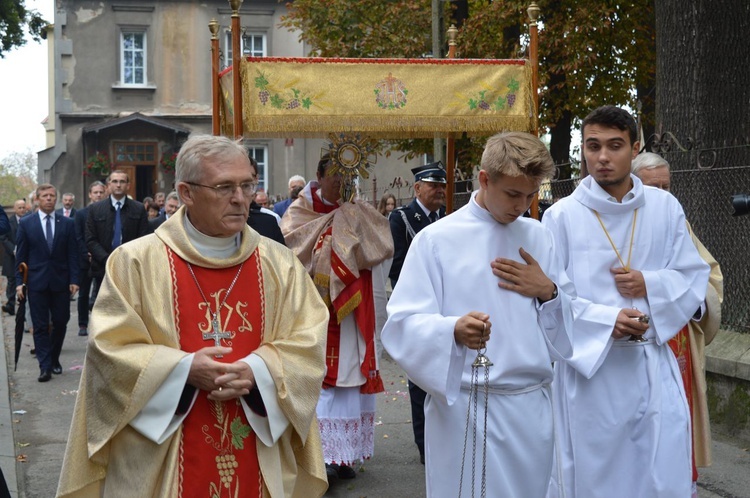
205 357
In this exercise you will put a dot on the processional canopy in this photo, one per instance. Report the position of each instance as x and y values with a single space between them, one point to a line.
383 98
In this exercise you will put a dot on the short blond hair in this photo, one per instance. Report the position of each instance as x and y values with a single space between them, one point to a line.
515 153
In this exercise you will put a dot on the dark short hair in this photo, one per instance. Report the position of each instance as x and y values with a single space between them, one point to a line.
324 162
254 164
612 117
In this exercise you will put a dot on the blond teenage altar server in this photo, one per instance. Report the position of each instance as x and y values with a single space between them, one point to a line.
449 302
205 357
624 432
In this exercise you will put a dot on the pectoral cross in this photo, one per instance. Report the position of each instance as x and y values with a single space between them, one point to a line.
217 335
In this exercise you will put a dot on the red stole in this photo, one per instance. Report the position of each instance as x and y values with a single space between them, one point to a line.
356 298
218 457
680 345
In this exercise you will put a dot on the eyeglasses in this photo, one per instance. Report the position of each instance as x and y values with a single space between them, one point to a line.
227 189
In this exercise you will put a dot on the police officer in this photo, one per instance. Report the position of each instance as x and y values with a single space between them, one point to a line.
427 207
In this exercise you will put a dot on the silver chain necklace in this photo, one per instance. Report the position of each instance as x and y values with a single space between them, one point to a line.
216 334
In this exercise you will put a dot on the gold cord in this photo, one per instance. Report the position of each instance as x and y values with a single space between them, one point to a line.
626 267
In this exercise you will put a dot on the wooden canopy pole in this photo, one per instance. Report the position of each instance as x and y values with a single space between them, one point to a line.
533 12
450 144
236 58
213 27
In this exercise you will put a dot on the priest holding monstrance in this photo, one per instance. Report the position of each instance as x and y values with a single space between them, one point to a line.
206 354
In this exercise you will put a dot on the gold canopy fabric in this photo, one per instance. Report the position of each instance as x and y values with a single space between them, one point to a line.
387 98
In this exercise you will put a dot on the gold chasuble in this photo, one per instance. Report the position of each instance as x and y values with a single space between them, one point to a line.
217 453
148 316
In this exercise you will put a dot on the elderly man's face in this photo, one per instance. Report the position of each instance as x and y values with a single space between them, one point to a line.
656 177
19 207
211 213
295 184
67 201
262 198
170 207
431 194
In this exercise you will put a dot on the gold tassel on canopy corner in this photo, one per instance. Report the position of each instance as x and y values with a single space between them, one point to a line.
382 98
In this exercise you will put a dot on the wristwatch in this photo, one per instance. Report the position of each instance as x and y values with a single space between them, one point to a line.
554 293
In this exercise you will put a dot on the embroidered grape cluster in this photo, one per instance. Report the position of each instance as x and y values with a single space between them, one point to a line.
261 82
226 465
513 87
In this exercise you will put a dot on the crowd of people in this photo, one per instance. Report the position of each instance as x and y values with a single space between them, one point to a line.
234 347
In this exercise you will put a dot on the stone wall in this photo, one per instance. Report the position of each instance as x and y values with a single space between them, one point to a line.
728 380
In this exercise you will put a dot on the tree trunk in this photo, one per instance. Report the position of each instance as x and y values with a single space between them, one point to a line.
703 77
703 101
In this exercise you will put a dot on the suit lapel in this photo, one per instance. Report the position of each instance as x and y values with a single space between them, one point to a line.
57 236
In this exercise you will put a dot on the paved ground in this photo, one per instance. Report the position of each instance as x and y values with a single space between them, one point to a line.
39 415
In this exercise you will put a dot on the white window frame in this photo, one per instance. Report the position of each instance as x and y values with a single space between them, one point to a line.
262 160
252 35
123 34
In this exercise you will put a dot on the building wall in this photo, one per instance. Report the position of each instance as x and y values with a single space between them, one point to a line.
86 88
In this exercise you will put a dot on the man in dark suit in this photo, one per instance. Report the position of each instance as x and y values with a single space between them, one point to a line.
261 221
67 209
112 222
97 191
47 244
171 205
427 207
8 241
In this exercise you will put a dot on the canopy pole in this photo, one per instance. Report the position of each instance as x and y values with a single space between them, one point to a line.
213 27
236 76
533 12
450 143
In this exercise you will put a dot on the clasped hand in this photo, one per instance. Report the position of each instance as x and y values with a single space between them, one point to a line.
223 381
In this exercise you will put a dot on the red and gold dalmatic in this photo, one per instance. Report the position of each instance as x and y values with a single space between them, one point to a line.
222 460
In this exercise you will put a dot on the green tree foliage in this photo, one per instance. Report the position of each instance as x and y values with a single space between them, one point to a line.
18 172
14 18
591 52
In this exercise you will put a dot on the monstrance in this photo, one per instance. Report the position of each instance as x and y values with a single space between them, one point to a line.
351 156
